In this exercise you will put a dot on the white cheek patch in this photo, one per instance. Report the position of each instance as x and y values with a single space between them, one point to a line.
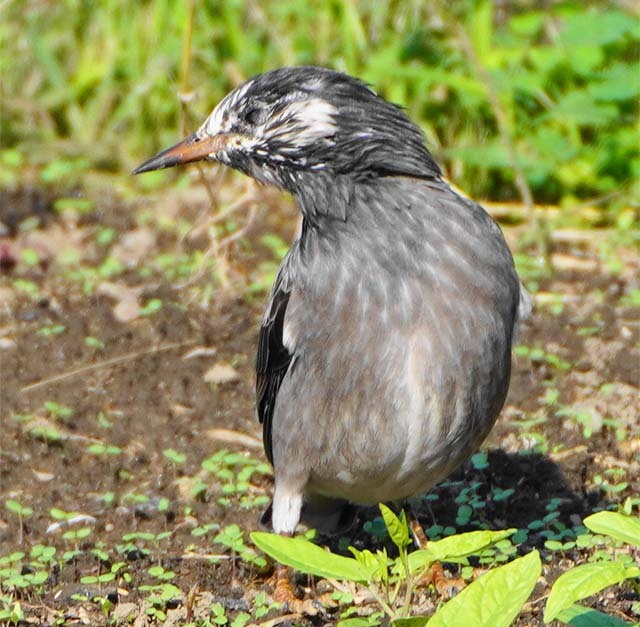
305 122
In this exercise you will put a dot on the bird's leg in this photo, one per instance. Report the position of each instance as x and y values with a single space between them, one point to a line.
284 594
283 591
285 515
419 536
445 586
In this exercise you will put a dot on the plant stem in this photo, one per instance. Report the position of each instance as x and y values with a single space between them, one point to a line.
383 604
408 591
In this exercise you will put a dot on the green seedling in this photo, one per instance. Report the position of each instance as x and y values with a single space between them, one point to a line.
234 472
21 511
391 581
29 288
152 306
174 456
233 538
56 410
51 331
94 342
587 579
99 448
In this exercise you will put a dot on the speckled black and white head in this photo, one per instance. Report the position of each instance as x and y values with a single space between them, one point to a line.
293 125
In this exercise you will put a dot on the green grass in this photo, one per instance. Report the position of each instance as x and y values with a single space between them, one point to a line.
549 94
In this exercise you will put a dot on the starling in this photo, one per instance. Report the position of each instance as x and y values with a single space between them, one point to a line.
384 354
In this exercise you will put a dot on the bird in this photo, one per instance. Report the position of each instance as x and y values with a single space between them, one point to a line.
384 354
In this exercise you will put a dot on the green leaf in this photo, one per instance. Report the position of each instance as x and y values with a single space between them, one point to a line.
579 107
589 27
617 83
17 508
579 616
580 582
309 558
397 527
412 621
527 24
618 526
495 598
489 154
358 621
457 547
376 564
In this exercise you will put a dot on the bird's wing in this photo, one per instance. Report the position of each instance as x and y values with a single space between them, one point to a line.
273 361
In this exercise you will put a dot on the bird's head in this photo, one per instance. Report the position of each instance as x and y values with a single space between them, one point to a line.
289 125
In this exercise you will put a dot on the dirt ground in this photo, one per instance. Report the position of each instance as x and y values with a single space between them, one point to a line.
122 372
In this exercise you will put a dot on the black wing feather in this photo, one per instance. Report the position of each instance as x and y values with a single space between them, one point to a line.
272 363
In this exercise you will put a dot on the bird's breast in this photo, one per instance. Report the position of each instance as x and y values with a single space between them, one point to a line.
401 327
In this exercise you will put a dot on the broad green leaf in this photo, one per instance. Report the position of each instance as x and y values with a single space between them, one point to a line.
309 558
579 107
580 616
412 621
397 527
457 547
545 58
616 83
586 59
494 599
590 27
580 582
357 621
490 154
618 526
527 24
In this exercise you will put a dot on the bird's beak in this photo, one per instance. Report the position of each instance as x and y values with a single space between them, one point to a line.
191 149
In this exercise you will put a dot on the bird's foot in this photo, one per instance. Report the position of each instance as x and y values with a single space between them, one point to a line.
284 594
446 587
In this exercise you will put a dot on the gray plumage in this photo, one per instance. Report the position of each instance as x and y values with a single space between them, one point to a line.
385 351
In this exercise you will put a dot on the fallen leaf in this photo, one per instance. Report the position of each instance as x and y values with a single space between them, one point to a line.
178 409
42 476
229 436
123 612
221 372
199 351
84 617
6 343
127 307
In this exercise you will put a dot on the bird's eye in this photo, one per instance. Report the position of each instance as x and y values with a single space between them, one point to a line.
253 116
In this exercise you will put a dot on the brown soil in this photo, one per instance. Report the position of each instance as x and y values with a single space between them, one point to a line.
144 390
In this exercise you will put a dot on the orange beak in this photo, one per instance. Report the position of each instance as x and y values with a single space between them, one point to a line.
187 151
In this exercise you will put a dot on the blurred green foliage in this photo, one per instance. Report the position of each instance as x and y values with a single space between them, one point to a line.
90 84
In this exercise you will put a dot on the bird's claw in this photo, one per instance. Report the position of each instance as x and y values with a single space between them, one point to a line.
446 587
285 595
